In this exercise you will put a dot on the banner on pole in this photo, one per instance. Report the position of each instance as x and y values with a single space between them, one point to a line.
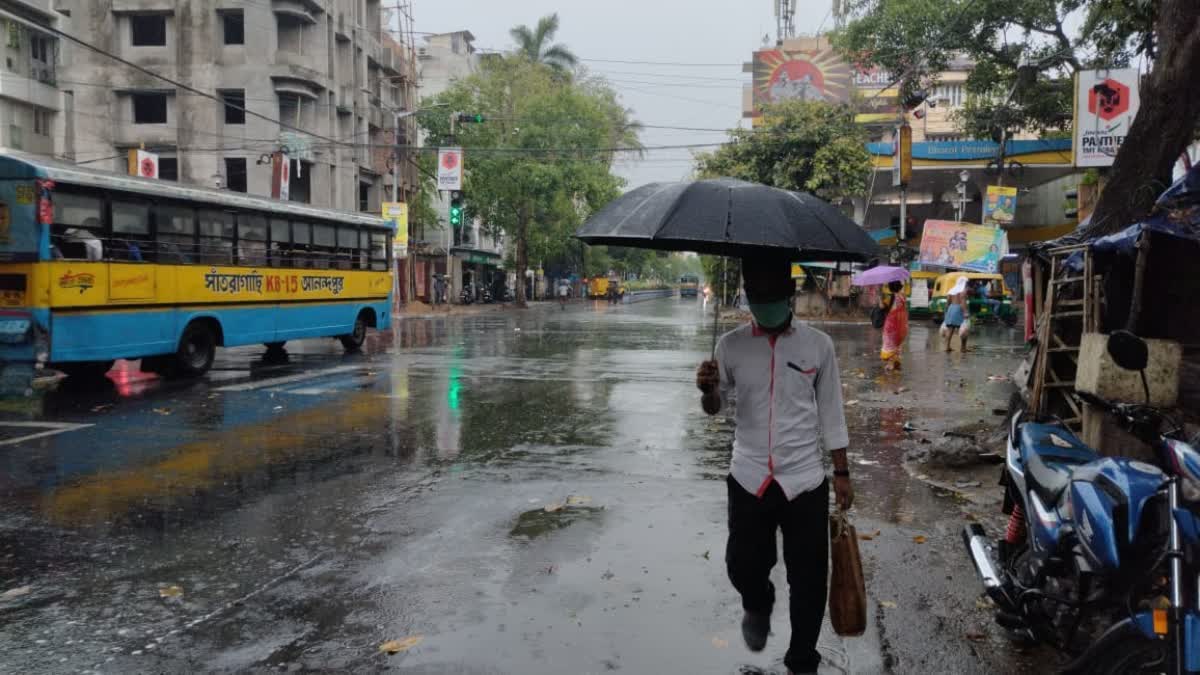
1106 101
450 167
397 212
963 246
1000 207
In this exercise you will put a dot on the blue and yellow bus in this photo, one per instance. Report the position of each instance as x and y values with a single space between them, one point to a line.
96 266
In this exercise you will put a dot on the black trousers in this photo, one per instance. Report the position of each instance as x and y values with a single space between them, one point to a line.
751 553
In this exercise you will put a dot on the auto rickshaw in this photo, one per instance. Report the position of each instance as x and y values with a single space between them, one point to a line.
919 305
997 306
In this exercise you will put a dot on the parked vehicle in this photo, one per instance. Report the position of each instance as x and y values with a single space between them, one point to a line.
998 305
919 304
486 296
1101 556
466 297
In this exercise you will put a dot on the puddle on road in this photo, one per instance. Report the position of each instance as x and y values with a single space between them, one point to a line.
540 522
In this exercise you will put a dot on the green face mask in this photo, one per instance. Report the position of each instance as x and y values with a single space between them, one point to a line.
771 314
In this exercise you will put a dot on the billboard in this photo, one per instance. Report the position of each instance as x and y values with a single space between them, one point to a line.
783 74
449 169
1000 207
1106 101
397 212
963 246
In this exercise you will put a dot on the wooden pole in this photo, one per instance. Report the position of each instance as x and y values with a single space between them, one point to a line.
1139 278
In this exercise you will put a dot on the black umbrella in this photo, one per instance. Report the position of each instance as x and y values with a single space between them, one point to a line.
729 217
726 216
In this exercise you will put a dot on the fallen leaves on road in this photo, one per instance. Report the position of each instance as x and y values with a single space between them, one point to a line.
869 537
578 500
851 402
719 643
984 603
402 645
887 604
556 506
919 539
998 378
163 411
102 407
976 636
172 591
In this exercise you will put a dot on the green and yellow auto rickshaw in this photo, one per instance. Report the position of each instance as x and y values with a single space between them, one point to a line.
995 304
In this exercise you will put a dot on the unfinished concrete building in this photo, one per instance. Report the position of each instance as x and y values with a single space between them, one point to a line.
339 70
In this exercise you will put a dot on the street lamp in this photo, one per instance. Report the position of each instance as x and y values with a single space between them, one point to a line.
963 177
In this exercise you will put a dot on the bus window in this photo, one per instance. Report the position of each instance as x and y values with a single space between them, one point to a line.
252 240
281 242
176 231
347 248
379 251
130 232
364 249
216 237
324 241
78 227
301 244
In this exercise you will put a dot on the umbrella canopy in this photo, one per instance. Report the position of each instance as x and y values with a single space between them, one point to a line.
877 276
726 216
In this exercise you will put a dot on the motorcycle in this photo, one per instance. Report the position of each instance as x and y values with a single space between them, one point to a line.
1100 545
487 296
466 297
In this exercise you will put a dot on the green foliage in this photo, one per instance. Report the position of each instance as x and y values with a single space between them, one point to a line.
1023 58
805 146
537 167
536 45
723 276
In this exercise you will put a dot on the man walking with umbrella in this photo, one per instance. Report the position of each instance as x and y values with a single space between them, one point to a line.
784 377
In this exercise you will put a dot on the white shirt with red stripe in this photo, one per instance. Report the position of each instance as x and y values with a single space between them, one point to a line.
789 405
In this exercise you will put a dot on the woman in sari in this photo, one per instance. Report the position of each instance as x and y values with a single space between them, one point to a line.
895 327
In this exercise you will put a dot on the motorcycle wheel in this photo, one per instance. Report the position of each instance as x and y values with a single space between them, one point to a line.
1134 653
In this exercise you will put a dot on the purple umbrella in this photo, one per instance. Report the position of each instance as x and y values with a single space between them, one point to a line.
877 276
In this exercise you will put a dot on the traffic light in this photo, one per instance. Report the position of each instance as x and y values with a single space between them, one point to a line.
456 209
471 118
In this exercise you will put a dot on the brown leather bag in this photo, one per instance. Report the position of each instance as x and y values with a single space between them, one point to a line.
847 589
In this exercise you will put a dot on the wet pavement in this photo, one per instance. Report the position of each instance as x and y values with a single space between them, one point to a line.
510 492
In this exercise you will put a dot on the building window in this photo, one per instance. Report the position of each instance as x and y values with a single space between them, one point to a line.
168 168
235 174
148 30
289 34
149 108
235 106
15 137
41 122
235 27
364 196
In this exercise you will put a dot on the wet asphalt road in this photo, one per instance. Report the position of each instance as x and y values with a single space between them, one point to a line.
512 492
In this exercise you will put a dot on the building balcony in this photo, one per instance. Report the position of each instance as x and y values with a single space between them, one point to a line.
129 135
370 45
295 9
28 90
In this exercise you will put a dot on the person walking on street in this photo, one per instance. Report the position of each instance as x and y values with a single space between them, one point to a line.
956 314
784 376
895 327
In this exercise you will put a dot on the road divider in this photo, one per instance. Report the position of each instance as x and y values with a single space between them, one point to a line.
638 296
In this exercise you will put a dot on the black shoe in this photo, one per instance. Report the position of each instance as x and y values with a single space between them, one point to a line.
755 628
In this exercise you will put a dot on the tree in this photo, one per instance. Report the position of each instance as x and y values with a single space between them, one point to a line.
540 164
1023 67
805 146
535 44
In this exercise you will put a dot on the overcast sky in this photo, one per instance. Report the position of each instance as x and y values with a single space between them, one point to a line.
723 32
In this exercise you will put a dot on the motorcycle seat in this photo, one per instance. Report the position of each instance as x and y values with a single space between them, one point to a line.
1050 452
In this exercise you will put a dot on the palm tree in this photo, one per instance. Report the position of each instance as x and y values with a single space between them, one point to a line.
535 44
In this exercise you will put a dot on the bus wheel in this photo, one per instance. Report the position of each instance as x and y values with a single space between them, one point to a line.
197 349
353 342
275 352
85 370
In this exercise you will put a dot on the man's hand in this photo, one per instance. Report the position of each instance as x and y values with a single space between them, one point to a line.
708 377
843 492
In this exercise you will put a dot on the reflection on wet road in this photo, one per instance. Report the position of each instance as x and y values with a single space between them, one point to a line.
526 492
